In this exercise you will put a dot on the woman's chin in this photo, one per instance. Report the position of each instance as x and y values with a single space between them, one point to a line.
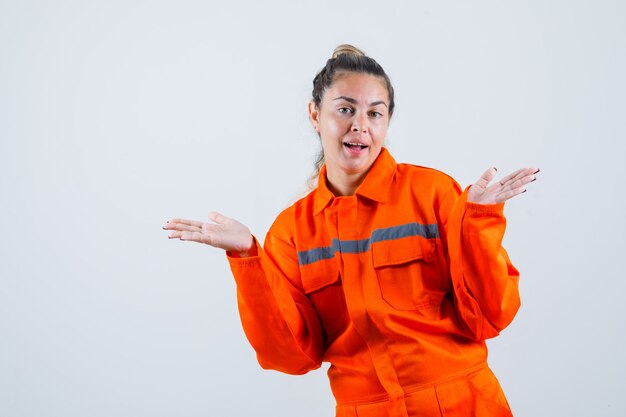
356 167
358 164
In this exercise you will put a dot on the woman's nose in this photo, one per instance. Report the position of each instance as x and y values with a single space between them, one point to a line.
359 124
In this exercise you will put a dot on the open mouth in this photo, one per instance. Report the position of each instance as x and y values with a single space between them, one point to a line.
354 145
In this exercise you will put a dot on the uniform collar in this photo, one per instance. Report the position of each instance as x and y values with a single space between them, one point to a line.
374 186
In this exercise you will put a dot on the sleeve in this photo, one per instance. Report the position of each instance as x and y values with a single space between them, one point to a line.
484 282
277 317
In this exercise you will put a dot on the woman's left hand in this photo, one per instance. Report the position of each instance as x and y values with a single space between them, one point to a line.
508 187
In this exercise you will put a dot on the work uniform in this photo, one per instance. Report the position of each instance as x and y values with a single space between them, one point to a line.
397 286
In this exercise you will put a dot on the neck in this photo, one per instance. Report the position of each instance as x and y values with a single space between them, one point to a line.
343 184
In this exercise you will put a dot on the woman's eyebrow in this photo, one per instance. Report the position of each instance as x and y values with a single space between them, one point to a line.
353 101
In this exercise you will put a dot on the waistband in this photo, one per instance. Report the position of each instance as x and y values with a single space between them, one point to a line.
411 389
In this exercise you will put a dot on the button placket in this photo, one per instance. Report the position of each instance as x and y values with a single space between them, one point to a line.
357 286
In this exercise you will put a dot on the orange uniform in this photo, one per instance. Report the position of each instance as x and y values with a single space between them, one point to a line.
396 286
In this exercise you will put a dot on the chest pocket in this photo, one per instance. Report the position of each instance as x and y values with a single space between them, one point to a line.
322 285
409 274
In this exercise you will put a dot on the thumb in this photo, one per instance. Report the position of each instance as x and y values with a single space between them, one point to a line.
217 217
487 176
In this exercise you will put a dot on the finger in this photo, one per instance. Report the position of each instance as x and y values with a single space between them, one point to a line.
516 183
174 234
182 224
512 177
184 221
486 178
520 173
521 180
508 194
196 237
182 227
190 236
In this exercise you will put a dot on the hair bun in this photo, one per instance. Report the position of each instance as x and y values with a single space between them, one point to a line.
347 49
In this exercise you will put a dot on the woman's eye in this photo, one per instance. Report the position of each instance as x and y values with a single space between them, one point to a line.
376 114
345 110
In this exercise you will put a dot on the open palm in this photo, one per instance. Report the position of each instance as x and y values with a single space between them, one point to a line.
223 232
508 187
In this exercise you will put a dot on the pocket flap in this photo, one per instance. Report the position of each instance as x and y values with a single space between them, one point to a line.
319 275
400 251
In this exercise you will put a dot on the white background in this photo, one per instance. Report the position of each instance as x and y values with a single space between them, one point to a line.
116 116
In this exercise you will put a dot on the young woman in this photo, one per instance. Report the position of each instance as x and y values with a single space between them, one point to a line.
388 271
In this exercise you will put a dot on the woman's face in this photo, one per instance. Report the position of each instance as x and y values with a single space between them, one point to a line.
352 122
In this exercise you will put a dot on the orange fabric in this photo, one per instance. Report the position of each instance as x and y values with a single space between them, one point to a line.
396 286
475 394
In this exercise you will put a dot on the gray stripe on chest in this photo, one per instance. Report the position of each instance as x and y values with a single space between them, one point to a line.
428 231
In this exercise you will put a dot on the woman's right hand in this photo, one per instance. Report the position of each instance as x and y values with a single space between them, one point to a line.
223 232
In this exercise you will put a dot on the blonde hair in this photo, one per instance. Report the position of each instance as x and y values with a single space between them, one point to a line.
346 49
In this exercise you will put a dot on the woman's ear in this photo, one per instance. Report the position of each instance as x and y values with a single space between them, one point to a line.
314 116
